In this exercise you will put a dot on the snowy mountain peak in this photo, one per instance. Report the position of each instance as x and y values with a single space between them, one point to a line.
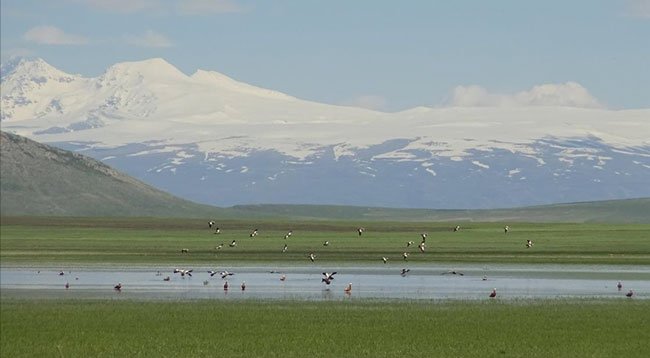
220 80
30 68
152 69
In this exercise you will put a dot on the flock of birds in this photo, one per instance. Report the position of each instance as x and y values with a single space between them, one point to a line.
327 277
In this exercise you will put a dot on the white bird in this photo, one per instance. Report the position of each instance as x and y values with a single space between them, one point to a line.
285 248
217 231
409 243
421 247
424 236
233 243
328 277
283 277
210 224
529 244
457 228
326 243
348 288
225 274
253 233
385 259
506 229
312 257
288 235
360 230
405 256
183 272
218 247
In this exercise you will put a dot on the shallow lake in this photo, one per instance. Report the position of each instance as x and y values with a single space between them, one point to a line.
304 282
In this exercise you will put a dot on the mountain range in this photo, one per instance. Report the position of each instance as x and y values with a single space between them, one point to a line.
210 139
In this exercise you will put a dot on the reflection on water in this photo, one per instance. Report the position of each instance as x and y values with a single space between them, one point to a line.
304 282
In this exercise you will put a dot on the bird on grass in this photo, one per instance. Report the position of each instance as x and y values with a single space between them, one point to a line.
312 257
506 229
529 244
288 235
326 243
384 259
421 247
457 228
285 248
360 230
408 244
217 231
405 256
233 243
253 233
328 277
218 247
493 293
210 224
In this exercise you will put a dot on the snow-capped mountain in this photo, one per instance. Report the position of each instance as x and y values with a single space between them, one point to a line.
212 139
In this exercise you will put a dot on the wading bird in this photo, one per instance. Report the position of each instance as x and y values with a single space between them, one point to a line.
243 285
405 271
619 285
630 293
118 287
493 293
348 288
283 277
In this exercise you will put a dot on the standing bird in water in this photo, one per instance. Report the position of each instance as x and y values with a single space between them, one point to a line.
118 287
348 288
630 294
225 286
67 285
619 285
243 286
493 293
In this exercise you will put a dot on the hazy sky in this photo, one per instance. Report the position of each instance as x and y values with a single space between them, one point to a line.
386 55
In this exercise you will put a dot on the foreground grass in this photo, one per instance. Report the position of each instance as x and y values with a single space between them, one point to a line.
556 328
142 241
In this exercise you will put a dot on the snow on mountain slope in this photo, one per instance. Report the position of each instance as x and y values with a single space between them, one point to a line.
168 129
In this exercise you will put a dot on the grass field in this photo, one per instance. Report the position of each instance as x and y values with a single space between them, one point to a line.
556 328
142 241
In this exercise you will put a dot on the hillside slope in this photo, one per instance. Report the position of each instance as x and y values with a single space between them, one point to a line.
41 180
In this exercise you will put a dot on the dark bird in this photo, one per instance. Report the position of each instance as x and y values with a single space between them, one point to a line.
243 285
217 231
328 277
493 293
630 294
453 272
118 287
67 285
360 230
405 271
619 285
185 251
457 228
225 286
167 278
61 273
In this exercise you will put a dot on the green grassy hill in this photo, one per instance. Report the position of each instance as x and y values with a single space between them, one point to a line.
614 211
41 180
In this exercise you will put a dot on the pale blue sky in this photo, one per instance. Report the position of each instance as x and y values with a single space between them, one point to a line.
388 55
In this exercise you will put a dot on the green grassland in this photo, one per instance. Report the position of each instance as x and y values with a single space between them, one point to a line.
151 241
555 328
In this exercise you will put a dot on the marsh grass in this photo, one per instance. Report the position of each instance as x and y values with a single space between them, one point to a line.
144 241
546 328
